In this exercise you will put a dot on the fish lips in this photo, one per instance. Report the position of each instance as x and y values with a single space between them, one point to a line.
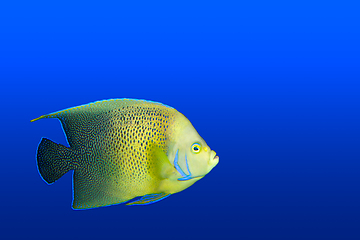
214 159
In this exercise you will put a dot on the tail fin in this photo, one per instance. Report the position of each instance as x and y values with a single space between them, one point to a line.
54 160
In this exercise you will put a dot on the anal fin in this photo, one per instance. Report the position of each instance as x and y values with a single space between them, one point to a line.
149 199
91 191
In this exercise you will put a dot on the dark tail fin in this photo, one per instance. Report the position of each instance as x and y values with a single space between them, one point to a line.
54 160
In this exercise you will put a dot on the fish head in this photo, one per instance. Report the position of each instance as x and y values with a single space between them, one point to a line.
190 154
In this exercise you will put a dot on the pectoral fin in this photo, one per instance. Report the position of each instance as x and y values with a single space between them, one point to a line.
159 164
149 199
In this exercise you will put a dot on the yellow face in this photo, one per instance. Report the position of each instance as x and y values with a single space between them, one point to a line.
190 155
199 159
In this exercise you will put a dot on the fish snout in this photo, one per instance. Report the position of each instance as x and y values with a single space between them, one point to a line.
214 160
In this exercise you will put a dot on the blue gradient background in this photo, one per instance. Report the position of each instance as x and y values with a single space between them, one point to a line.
272 86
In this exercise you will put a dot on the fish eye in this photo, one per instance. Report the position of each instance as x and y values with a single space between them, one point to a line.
196 148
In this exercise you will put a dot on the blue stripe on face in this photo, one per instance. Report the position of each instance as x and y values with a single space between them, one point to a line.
185 176
178 168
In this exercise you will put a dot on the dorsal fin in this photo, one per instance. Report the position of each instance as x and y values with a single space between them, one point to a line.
83 123
103 104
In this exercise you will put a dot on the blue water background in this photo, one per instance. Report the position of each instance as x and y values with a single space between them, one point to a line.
272 86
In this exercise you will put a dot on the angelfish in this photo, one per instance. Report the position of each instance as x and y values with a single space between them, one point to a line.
125 151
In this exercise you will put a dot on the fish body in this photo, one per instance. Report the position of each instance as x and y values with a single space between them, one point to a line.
121 149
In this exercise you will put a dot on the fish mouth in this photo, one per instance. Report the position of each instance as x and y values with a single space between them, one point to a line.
214 159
